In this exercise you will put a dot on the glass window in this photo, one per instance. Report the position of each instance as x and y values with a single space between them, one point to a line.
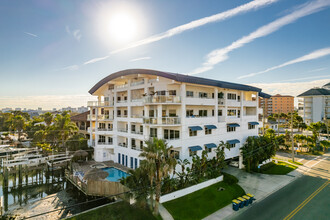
231 112
101 139
153 132
172 113
118 113
231 129
192 133
208 131
192 153
110 140
252 126
189 93
209 150
189 113
176 154
172 92
202 113
219 112
231 96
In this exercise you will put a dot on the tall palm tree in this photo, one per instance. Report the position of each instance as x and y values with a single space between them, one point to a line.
48 118
18 124
315 128
64 127
159 158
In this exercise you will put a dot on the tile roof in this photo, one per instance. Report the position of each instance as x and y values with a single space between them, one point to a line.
315 92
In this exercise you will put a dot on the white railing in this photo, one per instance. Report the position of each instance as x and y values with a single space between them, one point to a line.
164 120
98 104
122 130
221 101
137 83
162 99
137 99
137 132
105 129
136 116
122 86
122 145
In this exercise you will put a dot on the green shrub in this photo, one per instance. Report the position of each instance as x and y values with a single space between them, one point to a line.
229 179
267 166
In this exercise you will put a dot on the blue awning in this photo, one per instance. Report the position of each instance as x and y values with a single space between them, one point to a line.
253 123
195 148
196 128
210 126
210 145
233 125
234 141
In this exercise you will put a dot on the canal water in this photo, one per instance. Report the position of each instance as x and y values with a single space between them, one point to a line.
37 184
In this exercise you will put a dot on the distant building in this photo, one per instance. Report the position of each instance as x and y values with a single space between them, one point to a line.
6 110
69 109
314 104
18 109
277 104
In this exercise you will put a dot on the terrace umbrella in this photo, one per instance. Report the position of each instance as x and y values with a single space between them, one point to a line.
95 174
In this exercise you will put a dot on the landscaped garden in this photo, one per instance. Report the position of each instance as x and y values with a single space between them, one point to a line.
206 201
121 210
280 168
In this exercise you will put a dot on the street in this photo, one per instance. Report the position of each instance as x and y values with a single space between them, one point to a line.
305 198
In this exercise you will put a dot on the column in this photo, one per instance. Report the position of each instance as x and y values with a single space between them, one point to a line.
216 104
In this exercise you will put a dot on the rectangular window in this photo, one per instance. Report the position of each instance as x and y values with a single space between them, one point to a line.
192 153
123 159
153 132
252 126
119 158
172 113
141 145
151 113
131 163
118 113
164 113
231 129
212 112
126 160
110 140
208 131
171 134
189 93
219 112
232 145
163 92
209 150
231 112
141 128
118 98
176 154
133 128
189 113
172 92
192 133
136 163
125 113
101 139
202 95
202 113
101 125
231 96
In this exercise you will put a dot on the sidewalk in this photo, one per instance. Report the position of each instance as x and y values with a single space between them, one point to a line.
260 185
164 213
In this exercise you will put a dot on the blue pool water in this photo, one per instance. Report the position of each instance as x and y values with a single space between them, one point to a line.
114 174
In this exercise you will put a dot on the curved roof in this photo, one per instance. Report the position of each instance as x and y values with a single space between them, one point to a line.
174 76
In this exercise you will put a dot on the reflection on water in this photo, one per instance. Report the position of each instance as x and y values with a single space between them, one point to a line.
36 184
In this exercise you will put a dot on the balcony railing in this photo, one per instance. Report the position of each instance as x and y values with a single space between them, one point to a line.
137 132
99 104
164 120
122 145
134 147
122 101
104 143
122 86
140 99
105 129
162 99
136 116
221 101
137 83
122 130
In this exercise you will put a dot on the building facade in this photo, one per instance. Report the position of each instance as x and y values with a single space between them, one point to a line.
314 104
277 104
190 113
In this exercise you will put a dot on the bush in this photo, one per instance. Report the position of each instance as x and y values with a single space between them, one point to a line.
229 179
267 166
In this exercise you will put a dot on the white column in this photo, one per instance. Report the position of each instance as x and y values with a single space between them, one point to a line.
216 104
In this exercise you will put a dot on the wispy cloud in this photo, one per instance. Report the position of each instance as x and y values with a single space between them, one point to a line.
253 5
28 33
75 33
96 59
305 78
220 55
71 68
317 70
311 56
140 58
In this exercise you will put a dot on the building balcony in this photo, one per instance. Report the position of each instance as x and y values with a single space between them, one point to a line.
104 129
99 104
250 103
137 83
233 103
123 130
104 143
122 144
200 101
137 132
134 147
166 99
221 102
122 86
162 121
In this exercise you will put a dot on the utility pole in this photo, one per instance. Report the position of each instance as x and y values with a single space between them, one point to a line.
278 123
263 118
292 143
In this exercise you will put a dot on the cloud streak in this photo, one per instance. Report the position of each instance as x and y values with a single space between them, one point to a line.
311 56
75 33
220 55
28 33
253 5
140 58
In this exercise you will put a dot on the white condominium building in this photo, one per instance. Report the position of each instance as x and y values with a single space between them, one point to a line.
314 104
190 113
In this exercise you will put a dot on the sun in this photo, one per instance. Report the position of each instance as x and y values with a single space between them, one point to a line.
122 27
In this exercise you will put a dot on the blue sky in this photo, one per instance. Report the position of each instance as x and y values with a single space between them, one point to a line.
46 44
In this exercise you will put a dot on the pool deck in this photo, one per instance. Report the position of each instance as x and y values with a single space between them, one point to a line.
86 165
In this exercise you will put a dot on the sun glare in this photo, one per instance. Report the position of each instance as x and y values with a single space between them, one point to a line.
122 27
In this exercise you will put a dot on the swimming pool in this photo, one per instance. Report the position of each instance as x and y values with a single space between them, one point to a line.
115 174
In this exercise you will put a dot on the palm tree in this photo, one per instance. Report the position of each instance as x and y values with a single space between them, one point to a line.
48 118
160 159
65 127
18 124
315 128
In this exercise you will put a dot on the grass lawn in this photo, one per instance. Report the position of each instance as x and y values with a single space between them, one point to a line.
203 202
121 210
297 163
281 168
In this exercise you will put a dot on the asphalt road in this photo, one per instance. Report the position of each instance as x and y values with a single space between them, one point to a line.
308 197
